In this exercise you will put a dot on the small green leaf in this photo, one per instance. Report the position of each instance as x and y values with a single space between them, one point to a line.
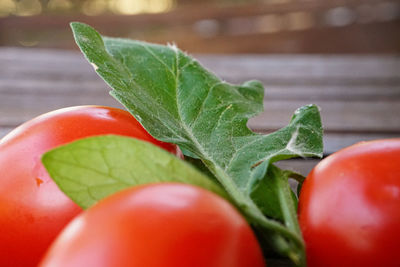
92 168
273 194
267 193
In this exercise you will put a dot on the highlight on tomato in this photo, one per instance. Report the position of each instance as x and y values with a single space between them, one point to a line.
349 207
158 225
32 208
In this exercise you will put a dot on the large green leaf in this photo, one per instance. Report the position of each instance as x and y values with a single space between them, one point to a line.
93 168
179 101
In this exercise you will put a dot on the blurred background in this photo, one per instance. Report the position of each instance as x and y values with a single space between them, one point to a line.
210 26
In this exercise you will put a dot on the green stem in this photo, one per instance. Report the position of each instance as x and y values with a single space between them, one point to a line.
287 240
288 207
287 204
297 176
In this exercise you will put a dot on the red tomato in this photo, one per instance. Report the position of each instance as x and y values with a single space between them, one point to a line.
349 208
32 208
158 225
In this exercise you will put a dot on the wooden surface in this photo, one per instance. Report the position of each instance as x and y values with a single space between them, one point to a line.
290 26
359 96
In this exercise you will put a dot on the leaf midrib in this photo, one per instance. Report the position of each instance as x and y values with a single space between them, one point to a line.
227 181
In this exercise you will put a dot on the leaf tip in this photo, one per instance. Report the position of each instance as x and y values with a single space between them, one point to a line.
173 46
73 24
77 26
45 159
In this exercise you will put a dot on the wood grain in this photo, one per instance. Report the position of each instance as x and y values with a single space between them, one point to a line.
359 96
244 27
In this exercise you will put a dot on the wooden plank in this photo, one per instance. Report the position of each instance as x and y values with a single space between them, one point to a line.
15 109
342 92
30 85
359 96
357 38
178 16
272 68
375 116
313 68
336 141
339 92
285 77
379 37
302 166
286 92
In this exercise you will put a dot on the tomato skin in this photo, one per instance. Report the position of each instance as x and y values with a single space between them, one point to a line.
32 208
349 207
158 225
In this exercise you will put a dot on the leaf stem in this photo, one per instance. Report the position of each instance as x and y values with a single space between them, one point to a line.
297 176
292 244
288 207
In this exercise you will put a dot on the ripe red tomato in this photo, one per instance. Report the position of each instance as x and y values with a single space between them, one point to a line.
158 225
32 208
349 208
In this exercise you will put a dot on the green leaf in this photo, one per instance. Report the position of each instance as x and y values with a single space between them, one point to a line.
92 168
267 194
179 101
276 180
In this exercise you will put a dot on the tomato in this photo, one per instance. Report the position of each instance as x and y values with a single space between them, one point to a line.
158 225
349 207
32 208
